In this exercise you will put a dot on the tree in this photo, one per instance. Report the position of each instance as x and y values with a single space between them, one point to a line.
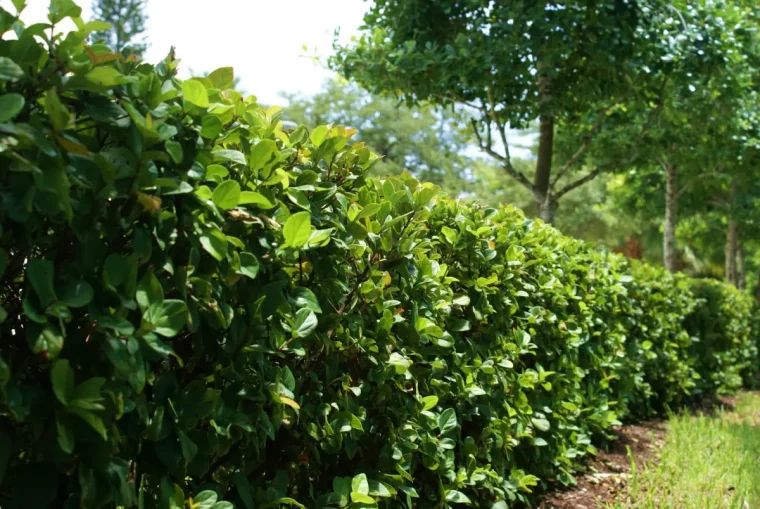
423 140
127 19
570 66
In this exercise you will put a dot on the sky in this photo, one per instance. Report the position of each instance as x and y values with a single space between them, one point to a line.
262 39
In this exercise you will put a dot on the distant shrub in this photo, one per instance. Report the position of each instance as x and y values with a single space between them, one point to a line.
196 301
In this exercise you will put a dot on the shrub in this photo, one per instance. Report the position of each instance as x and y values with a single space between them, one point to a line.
725 353
198 300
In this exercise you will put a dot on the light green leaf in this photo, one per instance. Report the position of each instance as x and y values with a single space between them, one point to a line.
429 402
262 153
541 424
227 195
172 317
195 93
222 77
229 155
10 70
149 291
211 126
306 322
447 421
252 197
297 229
457 497
107 77
360 484
305 298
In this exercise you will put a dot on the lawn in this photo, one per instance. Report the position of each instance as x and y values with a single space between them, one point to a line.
707 461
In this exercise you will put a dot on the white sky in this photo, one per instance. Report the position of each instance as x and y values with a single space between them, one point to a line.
262 39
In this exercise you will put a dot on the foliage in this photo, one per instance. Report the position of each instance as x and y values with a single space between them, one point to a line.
425 139
198 300
127 19
727 351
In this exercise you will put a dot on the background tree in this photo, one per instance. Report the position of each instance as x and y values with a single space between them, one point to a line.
127 19
424 140
512 63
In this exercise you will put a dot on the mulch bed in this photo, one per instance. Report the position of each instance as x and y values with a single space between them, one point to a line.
608 472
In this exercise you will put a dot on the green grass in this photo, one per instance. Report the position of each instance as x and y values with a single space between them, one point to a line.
706 462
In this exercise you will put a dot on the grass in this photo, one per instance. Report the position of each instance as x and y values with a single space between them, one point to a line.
706 462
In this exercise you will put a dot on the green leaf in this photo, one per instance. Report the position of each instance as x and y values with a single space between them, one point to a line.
457 497
252 197
360 484
10 70
40 276
541 424
60 9
229 155
58 113
216 172
170 317
262 153
107 77
211 126
195 93
205 500
149 291
429 402
62 378
305 298
227 195
450 234
297 229
222 77
368 211
306 322
249 265
77 294
10 106
65 436
215 243
447 421
319 134
175 150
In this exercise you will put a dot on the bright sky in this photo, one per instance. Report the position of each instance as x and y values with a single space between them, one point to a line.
262 39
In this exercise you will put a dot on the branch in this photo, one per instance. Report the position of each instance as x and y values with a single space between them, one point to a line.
506 162
587 140
606 167
691 181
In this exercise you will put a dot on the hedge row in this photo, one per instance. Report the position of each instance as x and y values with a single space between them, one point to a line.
204 307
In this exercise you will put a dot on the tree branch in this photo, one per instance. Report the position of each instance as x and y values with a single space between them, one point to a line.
635 154
691 181
504 160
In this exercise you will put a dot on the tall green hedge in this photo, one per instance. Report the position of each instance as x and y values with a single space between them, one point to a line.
203 307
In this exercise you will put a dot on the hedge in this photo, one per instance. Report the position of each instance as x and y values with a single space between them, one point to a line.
205 306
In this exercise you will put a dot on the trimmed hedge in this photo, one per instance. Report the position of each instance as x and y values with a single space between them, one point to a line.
199 300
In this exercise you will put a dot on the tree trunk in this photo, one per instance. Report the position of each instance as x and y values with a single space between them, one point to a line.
548 208
671 217
545 152
541 180
732 240
741 276
731 248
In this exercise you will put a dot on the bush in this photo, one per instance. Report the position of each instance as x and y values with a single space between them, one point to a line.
200 300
